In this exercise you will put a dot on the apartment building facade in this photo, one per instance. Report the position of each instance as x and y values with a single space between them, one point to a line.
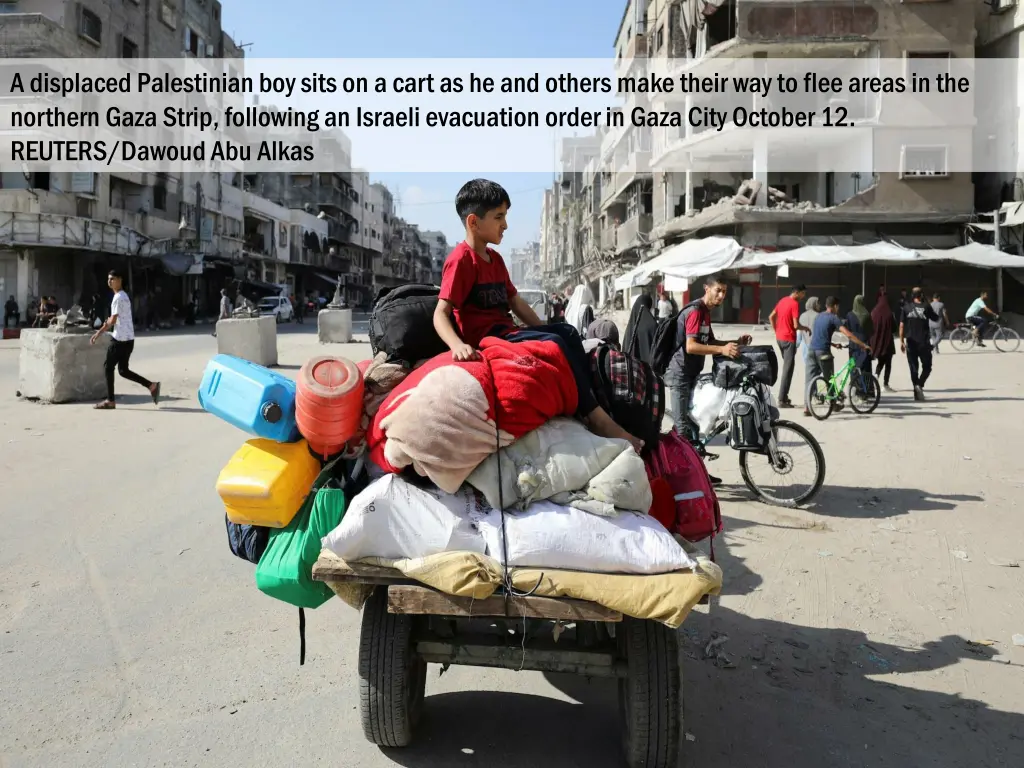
181 236
176 236
915 207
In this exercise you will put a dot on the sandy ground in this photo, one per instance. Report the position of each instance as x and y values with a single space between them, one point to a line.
873 629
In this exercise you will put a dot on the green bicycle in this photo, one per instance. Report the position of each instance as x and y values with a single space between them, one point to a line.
862 390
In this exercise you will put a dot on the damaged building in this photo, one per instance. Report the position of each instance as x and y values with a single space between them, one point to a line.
663 185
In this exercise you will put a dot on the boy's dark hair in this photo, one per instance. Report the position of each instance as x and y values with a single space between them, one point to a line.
115 273
800 288
480 196
831 301
712 280
936 297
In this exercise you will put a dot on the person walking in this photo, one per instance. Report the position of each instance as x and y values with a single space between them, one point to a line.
120 350
882 344
915 340
225 308
640 329
664 306
785 319
938 327
826 325
859 321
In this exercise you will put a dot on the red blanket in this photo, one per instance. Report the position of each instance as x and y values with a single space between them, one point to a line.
441 419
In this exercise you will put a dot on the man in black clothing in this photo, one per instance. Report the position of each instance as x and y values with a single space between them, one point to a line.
11 312
915 339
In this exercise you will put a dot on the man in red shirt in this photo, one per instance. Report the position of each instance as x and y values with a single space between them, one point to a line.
785 319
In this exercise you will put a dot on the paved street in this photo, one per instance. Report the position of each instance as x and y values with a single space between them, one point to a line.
873 629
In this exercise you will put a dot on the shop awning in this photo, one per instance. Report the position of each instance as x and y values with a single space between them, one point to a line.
974 254
832 254
689 259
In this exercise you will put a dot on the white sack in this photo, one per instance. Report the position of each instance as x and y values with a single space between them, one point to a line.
547 535
710 404
395 519
564 461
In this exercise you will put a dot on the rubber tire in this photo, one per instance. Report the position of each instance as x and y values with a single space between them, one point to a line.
878 395
650 697
392 680
819 481
813 388
1006 336
961 339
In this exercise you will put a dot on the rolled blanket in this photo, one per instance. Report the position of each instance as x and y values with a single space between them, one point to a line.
444 418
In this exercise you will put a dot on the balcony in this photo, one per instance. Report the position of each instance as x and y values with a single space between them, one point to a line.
636 47
60 231
609 237
629 232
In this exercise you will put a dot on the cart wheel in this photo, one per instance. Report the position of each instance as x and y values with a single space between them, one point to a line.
392 678
649 696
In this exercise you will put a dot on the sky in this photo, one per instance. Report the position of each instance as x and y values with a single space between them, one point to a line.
434 29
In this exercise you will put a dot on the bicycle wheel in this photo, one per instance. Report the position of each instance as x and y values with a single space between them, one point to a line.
819 400
793 442
864 392
1006 339
961 339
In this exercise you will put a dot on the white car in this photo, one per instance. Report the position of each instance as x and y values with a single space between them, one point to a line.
278 306
538 301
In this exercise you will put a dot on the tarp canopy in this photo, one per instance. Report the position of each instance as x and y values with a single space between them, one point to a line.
974 254
689 259
832 254
695 258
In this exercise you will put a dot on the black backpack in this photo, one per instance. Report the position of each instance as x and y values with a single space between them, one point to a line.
664 345
629 391
402 324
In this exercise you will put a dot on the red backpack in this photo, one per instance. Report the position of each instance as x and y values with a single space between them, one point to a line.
684 499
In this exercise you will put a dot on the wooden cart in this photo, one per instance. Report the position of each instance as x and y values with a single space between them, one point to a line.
406 626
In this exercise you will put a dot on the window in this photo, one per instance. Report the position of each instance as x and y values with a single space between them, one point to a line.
129 50
160 197
927 64
90 27
169 14
83 207
193 42
924 162
661 38
9 7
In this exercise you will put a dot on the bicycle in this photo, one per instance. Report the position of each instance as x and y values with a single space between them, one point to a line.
862 390
964 336
779 451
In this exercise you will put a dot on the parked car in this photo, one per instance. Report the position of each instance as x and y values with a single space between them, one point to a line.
538 300
279 306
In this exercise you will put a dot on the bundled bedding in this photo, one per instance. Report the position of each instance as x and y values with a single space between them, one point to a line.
446 417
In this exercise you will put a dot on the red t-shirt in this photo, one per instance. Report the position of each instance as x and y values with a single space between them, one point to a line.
786 312
480 292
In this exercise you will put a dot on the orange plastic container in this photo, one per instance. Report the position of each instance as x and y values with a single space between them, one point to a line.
329 403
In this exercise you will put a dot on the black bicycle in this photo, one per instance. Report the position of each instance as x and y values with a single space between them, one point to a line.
964 336
786 452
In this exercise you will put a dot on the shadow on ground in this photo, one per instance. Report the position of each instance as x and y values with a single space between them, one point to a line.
145 402
770 694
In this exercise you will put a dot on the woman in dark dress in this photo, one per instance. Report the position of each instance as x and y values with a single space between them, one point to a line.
882 346
640 329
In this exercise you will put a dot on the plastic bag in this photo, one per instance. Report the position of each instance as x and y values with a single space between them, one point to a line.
707 404
394 519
